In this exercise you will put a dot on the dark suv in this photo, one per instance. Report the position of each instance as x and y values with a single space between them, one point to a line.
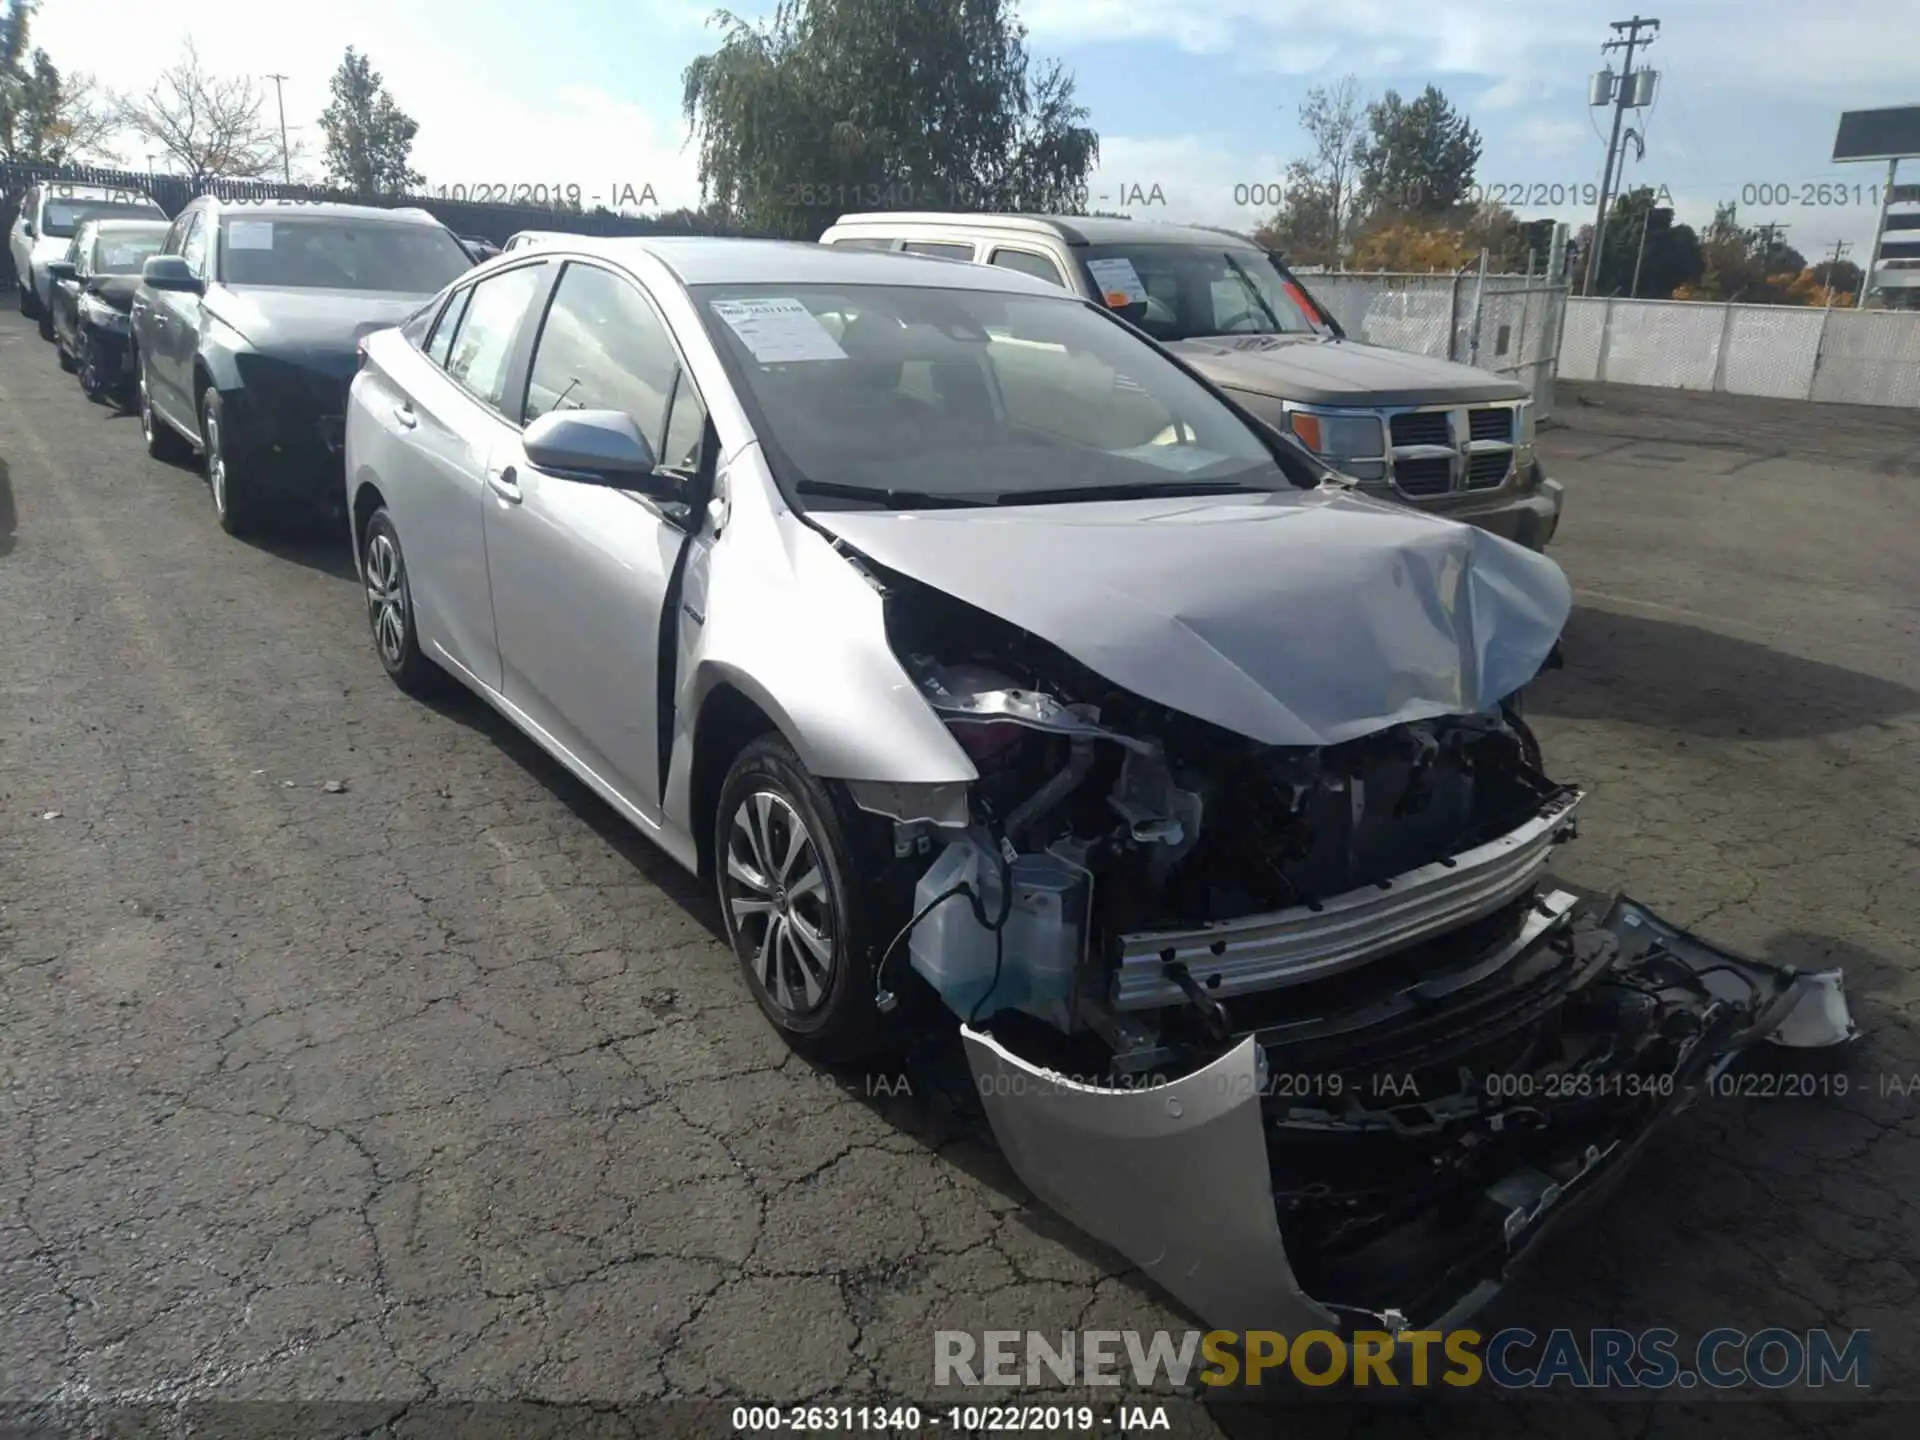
246 334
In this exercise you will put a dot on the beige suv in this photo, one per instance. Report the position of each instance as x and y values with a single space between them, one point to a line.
1435 434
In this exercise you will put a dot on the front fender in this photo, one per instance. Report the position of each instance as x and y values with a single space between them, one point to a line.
770 607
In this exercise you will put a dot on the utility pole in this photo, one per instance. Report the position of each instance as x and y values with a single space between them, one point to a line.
1623 98
1646 223
1840 248
286 159
1769 234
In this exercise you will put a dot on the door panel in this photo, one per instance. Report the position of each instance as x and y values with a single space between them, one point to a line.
579 571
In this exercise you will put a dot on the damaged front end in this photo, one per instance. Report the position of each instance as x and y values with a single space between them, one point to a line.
1308 1033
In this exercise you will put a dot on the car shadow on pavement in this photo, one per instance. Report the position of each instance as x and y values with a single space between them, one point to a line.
9 517
1673 676
318 545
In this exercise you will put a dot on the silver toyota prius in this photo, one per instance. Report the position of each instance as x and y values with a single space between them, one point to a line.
1005 679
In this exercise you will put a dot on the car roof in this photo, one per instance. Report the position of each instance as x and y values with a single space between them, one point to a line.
1074 229
713 260
107 226
325 210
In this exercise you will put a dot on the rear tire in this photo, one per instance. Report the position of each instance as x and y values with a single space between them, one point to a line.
801 922
163 441
46 321
29 306
389 591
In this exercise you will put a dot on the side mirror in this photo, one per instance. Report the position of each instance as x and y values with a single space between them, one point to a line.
596 447
60 269
170 272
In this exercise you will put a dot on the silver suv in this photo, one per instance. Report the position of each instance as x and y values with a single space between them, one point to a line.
1442 436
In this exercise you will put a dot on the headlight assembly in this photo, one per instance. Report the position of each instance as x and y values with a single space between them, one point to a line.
1351 441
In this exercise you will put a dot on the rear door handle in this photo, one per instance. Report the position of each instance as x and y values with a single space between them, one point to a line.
404 414
501 482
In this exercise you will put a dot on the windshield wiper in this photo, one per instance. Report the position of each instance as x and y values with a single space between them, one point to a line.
1147 490
891 499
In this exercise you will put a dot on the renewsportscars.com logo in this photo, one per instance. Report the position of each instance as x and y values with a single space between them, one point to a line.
1512 1359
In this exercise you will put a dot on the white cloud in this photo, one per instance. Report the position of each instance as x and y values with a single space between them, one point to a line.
480 121
1192 179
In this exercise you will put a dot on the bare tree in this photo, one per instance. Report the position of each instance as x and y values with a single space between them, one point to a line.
1315 220
212 125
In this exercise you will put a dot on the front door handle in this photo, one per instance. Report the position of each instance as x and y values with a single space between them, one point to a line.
404 414
501 482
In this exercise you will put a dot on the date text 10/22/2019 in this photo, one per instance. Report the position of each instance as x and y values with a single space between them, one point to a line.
568 195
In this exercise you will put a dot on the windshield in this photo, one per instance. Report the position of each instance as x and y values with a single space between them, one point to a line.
317 254
910 397
61 217
118 252
1187 292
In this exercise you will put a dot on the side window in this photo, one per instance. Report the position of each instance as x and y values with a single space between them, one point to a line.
193 245
483 346
419 325
862 242
939 248
602 348
441 345
1028 263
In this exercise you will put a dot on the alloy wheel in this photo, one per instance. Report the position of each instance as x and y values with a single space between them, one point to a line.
779 903
386 599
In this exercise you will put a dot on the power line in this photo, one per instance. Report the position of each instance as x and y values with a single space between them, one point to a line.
1624 91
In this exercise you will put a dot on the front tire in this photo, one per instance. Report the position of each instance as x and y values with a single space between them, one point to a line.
236 499
163 442
46 321
66 361
383 568
791 904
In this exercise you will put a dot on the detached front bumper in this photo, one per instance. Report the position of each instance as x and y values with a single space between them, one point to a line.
1237 1186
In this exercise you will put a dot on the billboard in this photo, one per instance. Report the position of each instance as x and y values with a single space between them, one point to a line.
1891 134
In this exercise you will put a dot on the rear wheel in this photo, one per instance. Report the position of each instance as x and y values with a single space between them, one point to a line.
46 322
383 567
163 442
790 902
29 307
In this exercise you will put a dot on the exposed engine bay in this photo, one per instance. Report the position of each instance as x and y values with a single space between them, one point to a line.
1302 1022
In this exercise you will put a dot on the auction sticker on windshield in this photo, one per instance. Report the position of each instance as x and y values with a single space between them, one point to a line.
250 235
1119 282
776 331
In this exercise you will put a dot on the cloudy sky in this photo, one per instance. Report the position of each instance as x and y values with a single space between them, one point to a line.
1195 97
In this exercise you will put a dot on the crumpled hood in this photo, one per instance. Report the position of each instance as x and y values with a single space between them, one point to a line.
1314 371
309 326
1298 618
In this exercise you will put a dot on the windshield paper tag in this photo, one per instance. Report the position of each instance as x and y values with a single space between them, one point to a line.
776 331
250 235
1119 282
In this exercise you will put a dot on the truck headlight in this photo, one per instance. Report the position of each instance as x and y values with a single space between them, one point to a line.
1351 441
1523 423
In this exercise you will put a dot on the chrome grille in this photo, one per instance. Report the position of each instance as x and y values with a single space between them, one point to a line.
1443 449
1490 424
1422 427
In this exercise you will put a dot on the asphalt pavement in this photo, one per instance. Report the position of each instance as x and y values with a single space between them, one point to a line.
352 1052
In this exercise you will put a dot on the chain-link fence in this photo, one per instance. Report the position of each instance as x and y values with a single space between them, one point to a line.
1509 324
1869 357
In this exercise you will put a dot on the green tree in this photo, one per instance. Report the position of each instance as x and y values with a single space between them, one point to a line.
837 105
1670 257
1314 224
46 118
369 138
1417 157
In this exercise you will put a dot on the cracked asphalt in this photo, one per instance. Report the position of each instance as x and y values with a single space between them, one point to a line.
436 1087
